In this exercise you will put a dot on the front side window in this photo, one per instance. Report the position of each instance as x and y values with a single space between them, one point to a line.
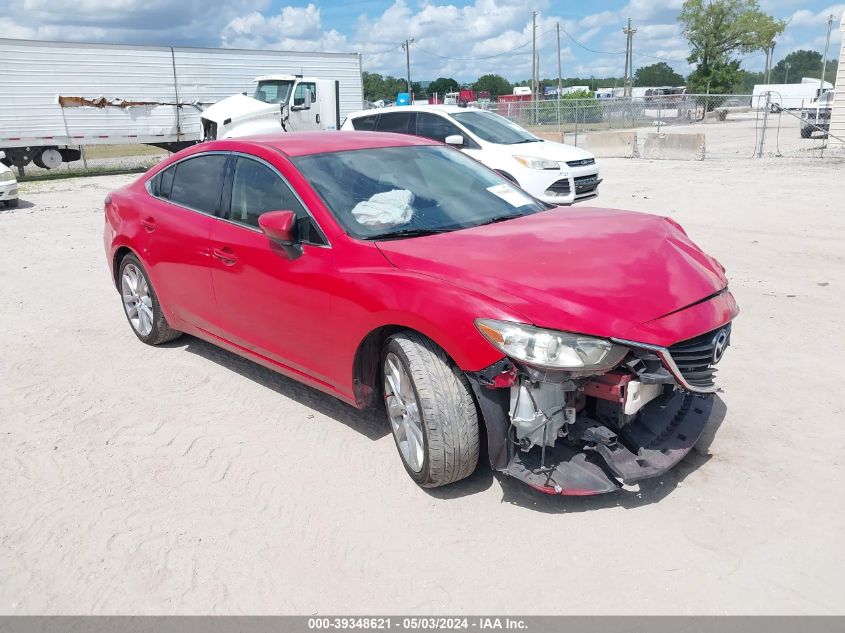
257 189
273 91
198 181
301 90
493 128
436 127
395 192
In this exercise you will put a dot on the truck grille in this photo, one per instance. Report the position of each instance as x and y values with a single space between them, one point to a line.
697 357
584 162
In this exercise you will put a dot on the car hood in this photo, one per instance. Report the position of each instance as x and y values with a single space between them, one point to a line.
593 271
551 151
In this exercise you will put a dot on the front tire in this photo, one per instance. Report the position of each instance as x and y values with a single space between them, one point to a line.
431 411
12 204
140 304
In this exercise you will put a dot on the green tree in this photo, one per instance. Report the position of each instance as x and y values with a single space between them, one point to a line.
442 85
373 86
494 84
659 74
803 63
717 30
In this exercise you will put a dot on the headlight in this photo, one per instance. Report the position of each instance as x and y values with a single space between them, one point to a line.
7 176
536 163
549 348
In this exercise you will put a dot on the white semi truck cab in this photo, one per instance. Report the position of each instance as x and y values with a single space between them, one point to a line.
280 103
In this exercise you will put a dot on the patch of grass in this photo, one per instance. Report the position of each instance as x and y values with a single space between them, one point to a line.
83 173
122 151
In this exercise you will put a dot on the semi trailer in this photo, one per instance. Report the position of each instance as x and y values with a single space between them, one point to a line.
59 96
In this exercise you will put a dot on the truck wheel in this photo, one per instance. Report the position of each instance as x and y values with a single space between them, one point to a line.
141 305
431 411
806 132
49 158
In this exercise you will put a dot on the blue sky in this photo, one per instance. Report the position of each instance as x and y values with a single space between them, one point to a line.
461 38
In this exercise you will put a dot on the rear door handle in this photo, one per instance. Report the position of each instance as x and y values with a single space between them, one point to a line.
225 255
149 224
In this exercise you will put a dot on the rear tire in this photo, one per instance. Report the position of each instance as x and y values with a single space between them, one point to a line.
447 414
140 304
806 132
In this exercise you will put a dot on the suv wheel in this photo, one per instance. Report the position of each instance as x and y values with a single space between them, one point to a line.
431 411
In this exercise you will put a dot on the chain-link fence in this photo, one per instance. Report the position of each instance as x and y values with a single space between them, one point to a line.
734 125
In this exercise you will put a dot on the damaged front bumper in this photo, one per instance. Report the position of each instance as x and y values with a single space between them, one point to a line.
566 434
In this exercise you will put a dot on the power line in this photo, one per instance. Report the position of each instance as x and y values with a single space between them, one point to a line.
476 59
587 48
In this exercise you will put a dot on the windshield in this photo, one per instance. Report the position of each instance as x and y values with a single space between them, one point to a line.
494 128
273 91
395 192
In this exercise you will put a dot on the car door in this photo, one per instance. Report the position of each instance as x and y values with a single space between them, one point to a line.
398 122
178 222
272 300
438 128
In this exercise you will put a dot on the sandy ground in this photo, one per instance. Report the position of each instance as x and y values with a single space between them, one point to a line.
187 480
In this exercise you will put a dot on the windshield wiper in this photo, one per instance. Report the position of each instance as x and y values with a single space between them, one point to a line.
529 140
409 233
502 218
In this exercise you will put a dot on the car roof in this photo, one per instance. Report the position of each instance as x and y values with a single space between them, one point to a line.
305 143
428 107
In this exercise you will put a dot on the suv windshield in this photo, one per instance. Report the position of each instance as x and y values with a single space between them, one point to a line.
494 128
273 91
396 192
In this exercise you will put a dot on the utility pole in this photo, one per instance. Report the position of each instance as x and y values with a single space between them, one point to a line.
771 56
534 57
766 68
407 47
786 80
830 20
629 60
559 67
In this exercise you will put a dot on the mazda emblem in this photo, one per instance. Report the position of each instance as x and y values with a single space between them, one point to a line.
720 344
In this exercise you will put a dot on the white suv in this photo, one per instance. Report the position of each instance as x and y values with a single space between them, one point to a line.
553 172
8 185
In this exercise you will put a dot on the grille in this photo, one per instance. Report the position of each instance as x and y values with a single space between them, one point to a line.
559 188
694 358
581 163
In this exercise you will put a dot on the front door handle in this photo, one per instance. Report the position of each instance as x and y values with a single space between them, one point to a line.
225 255
318 118
149 224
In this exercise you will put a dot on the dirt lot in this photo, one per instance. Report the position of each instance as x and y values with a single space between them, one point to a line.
187 480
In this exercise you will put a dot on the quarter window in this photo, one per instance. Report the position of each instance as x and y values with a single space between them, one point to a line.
365 123
197 182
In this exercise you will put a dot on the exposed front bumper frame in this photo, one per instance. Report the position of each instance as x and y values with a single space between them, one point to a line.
666 358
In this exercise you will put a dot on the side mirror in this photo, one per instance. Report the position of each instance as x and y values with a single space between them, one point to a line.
455 140
279 226
2 154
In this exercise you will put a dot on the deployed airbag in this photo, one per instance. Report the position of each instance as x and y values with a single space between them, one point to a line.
386 209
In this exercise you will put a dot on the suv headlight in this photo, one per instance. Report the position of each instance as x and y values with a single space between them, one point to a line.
7 176
550 348
536 163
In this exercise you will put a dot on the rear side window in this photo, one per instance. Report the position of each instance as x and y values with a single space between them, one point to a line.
197 182
398 122
365 123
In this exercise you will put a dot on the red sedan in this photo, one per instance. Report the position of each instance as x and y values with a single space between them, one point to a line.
379 267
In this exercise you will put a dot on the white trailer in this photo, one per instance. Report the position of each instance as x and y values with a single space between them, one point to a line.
789 96
57 96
